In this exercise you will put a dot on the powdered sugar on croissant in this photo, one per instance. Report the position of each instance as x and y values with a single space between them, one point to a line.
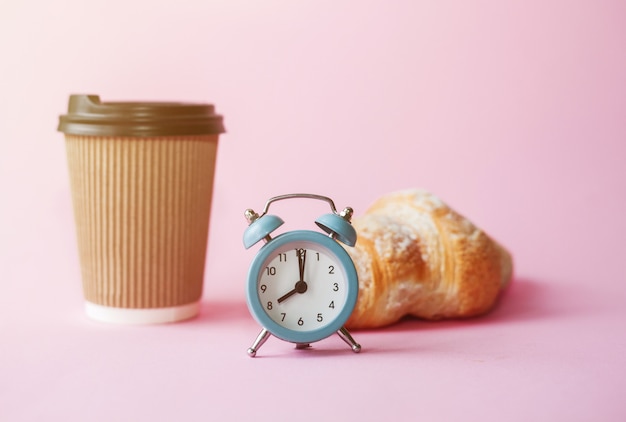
416 256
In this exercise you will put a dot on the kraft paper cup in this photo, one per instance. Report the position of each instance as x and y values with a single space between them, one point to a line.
142 178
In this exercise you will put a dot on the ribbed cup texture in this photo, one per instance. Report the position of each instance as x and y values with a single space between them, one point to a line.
142 208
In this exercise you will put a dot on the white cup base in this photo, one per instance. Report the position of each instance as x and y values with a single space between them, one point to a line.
141 316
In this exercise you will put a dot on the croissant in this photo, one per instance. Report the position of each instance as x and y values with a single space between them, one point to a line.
417 256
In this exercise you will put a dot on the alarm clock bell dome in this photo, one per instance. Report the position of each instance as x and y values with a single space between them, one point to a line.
334 224
260 228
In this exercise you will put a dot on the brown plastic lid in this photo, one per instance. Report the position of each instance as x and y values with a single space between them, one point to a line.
87 115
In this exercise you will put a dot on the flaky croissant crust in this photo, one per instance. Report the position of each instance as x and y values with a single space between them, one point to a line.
417 256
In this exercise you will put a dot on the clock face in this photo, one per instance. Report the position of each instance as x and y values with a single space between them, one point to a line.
302 286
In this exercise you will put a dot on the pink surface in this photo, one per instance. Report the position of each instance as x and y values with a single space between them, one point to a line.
512 112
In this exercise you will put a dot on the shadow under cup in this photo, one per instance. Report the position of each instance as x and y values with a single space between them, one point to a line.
142 179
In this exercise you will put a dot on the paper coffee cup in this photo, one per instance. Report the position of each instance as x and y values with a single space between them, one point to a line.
142 178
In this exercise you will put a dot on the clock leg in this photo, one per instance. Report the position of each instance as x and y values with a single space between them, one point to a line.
260 339
345 336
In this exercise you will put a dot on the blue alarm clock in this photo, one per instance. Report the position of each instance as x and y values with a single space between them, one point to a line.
302 285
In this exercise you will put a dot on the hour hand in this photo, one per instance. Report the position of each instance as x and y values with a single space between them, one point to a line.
300 287
287 295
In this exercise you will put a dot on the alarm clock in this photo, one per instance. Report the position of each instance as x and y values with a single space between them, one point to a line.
302 285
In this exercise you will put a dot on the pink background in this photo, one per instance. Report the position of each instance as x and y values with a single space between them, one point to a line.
513 112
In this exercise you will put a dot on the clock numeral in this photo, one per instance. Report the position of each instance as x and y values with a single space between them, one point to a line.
332 305
269 306
300 322
282 257
263 288
331 269
283 315
320 318
270 270
318 255
335 287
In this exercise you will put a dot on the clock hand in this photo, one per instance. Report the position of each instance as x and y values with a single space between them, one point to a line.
301 261
301 285
287 295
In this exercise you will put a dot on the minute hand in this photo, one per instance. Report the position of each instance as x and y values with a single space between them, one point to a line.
301 262
301 285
